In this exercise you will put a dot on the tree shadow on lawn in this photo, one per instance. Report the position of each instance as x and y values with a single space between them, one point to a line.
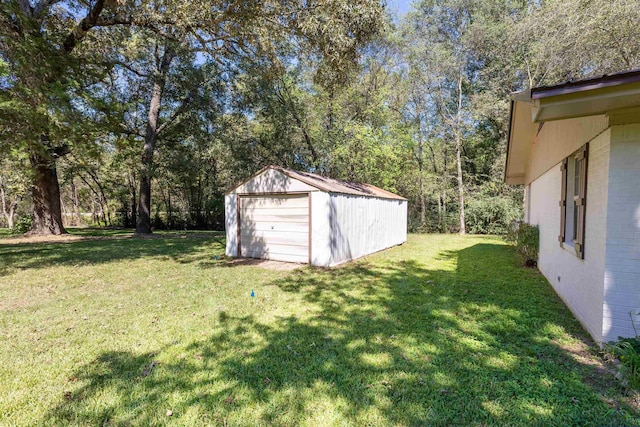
104 250
397 343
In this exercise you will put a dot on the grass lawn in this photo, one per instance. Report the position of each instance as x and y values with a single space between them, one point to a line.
443 330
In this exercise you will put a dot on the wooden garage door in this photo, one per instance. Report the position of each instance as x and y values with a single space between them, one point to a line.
275 227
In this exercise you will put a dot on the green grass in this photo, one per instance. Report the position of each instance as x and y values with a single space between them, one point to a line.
443 330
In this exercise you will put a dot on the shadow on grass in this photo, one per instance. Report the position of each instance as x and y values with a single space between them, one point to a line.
484 343
110 246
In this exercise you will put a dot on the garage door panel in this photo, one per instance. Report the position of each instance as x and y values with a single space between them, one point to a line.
275 227
276 211
278 257
276 237
275 249
297 201
293 227
252 219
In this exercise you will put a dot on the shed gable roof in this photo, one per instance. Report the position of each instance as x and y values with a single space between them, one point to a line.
329 185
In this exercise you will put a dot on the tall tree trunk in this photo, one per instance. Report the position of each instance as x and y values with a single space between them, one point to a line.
143 224
423 215
445 187
133 201
47 212
11 217
459 155
8 208
75 212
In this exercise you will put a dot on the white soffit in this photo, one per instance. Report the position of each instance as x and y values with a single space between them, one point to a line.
521 134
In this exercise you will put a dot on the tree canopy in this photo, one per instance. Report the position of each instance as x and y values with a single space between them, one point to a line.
141 113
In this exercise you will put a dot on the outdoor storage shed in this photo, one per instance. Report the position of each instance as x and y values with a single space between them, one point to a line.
287 215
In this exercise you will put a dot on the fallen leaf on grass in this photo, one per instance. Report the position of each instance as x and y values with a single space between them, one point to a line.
229 400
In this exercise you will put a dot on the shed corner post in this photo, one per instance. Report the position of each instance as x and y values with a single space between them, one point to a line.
310 239
238 229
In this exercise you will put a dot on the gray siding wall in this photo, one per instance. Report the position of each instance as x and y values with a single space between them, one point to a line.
347 227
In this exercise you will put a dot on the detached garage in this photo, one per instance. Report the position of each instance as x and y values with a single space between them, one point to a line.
287 215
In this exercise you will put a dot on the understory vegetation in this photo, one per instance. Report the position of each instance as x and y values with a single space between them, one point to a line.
526 240
627 352
443 330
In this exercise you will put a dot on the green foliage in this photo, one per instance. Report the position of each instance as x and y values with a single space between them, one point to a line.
22 224
324 87
526 239
491 214
627 350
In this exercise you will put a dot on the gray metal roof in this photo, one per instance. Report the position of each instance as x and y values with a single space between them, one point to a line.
331 185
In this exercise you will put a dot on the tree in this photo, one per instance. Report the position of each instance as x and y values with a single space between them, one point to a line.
50 58
13 188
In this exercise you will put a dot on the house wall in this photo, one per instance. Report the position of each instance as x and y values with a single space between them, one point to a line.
347 227
558 139
578 282
622 269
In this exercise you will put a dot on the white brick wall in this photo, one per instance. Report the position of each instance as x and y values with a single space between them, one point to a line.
622 270
578 282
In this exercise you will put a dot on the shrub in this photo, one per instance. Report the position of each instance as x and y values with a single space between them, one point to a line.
22 224
627 350
490 214
526 239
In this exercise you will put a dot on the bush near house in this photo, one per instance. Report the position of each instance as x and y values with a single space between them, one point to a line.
526 239
627 351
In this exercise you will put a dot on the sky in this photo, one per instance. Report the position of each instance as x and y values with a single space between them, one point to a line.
399 7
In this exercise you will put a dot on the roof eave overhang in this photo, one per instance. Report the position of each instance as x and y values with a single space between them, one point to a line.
584 103
522 130
577 99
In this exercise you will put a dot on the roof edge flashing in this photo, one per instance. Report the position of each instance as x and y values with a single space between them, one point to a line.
584 85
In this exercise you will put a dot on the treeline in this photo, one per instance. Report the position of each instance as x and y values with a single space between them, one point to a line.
142 113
